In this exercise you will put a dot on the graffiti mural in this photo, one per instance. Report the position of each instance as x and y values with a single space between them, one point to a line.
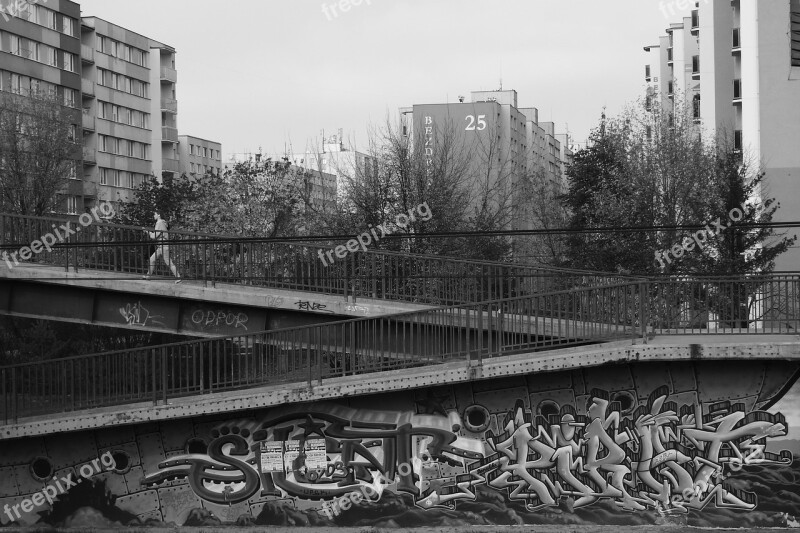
635 444
661 457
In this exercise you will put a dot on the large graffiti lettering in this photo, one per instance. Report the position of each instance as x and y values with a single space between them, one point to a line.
653 455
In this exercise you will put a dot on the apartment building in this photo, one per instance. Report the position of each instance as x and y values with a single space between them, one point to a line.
40 51
122 85
199 157
504 143
739 62
120 129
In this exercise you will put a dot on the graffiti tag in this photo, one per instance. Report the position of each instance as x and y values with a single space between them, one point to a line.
216 318
136 314
312 306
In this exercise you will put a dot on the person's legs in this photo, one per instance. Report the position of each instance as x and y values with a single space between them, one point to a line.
169 262
152 267
153 259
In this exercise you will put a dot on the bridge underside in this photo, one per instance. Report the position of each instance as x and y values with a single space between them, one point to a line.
610 434
146 312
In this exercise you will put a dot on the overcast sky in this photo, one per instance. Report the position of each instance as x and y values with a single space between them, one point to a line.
268 73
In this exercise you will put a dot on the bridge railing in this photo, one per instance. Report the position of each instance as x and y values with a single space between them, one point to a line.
711 306
430 280
314 353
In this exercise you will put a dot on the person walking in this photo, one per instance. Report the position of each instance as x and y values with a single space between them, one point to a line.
160 235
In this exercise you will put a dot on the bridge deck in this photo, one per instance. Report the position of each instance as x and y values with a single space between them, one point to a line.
658 349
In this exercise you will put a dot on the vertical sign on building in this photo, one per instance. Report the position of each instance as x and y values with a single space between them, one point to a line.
429 144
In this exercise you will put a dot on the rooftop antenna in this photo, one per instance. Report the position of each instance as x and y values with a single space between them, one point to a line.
501 74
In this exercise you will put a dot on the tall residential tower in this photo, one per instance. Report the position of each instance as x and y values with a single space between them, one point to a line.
739 63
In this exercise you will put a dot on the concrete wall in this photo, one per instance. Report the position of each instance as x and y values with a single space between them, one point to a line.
629 444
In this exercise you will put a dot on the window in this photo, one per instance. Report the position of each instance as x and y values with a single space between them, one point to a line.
72 133
46 18
49 57
647 72
738 142
191 149
69 97
33 14
72 205
72 171
193 168
696 107
115 175
695 64
14 45
205 152
737 89
68 26
69 62
103 176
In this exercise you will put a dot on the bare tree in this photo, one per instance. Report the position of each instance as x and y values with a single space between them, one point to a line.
467 185
38 152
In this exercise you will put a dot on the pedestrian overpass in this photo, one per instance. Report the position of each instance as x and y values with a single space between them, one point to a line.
584 399
234 285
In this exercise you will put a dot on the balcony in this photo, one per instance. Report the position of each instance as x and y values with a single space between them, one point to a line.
87 87
169 105
647 76
736 45
669 55
171 165
87 54
88 122
169 134
737 91
695 22
89 156
169 74
670 89
695 67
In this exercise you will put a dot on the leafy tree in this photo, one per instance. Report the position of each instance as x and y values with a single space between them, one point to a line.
170 197
740 251
651 168
254 198
38 152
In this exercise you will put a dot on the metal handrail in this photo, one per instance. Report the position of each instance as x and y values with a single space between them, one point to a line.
431 280
317 352
473 331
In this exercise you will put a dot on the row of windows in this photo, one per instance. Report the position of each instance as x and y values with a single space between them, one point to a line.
123 51
202 151
106 78
123 115
27 86
121 178
124 147
28 10
36 51
203 169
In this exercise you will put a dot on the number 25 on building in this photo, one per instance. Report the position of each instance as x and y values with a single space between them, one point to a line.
473 125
